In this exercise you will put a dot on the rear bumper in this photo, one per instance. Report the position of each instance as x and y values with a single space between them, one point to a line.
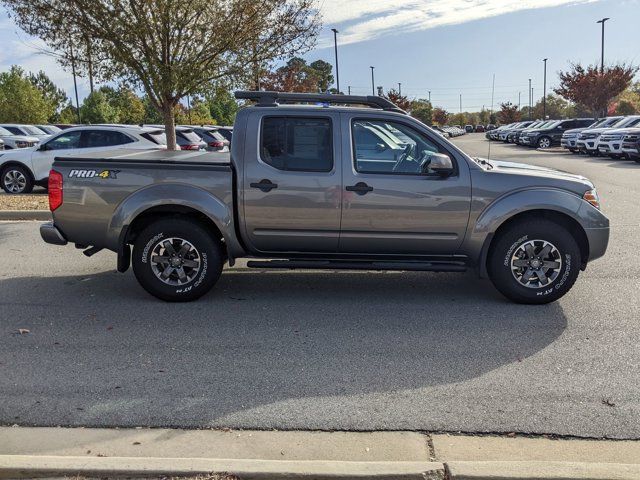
51 234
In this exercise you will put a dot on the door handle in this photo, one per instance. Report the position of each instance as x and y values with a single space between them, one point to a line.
360 188
264 185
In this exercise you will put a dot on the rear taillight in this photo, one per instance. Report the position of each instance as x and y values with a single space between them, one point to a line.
190 147
216 144
55 190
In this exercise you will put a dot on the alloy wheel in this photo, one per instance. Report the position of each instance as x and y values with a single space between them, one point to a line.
175 261
14 181
536 264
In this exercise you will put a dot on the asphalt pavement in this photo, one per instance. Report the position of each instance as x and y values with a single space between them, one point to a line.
324 350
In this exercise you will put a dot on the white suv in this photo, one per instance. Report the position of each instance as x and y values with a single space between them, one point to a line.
12 140
610 142
21 169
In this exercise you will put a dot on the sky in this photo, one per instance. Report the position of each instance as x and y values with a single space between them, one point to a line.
448 47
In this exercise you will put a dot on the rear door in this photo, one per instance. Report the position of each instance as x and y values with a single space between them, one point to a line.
292 181
392 203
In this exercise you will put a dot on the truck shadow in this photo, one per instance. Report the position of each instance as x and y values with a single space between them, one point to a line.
103 352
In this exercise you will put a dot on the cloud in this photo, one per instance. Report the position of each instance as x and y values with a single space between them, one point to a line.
360 20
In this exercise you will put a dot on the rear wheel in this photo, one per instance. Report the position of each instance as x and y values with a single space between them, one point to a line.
177 260
16 179
534 261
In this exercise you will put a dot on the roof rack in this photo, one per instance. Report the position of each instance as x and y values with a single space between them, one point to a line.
272 99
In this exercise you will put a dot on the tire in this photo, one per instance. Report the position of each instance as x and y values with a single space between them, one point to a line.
16 179
544 142
574 150
615 156
521 283
200 266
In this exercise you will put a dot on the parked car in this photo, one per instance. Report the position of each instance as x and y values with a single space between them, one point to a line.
441 131
549 135
469 129
504 134
631 144
514 135
1 144
64 126
226 132
294 194
479 129
186 138
49 129
215 141
490 126
588 140
570 137
13 141
26 130
610 142
494 134
21 169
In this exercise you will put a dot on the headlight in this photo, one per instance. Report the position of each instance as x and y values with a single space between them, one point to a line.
592 197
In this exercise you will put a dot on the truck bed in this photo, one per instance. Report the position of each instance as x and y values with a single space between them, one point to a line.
168 157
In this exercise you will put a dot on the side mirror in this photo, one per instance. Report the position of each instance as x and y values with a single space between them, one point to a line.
440 164
43 147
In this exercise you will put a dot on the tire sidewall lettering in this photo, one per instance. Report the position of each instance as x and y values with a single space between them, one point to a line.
147 247
512 248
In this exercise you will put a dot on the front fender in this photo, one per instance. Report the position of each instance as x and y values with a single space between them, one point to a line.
507 206
167 194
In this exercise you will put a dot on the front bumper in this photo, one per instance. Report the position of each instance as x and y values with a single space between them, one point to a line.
568 142
587 145
526 140
596 227
631 149
50 234
608 148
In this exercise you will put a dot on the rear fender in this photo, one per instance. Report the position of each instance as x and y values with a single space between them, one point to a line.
168 194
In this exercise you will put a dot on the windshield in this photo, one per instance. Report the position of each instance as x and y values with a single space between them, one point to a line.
32 130
189 135
49 128
156 136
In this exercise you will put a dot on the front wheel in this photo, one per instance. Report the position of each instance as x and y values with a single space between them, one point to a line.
544 142
177 260
534 261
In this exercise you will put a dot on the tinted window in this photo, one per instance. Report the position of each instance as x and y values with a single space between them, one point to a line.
225 133
103 138
29 130
390 147
297 144
14 130
157 136
189 135
64 141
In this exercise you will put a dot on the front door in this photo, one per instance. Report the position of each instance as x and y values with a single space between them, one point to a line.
393 204
292 183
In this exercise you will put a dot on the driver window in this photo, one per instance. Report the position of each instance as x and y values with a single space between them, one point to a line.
380 146
65 141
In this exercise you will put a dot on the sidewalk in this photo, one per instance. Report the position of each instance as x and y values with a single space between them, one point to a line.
59 452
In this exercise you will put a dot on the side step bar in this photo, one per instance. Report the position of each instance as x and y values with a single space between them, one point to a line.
424 266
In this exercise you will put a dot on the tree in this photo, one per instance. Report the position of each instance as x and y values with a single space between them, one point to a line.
20 100
68 115
171 48
56 97
324 74
297 76
198 114
593 88
508 113
483 116
222 105
422 110
128 107
401 101
556 108
440 116
458 119
96 109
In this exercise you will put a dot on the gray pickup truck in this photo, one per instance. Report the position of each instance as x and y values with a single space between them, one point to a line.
358 185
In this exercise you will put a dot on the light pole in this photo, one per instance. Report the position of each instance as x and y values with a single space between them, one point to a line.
349 89
530 99
75 83
544 91
602 49
460 103
373 83
335 46
399 89
429 96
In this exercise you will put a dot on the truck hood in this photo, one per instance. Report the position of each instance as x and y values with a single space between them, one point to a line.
20 138
542 176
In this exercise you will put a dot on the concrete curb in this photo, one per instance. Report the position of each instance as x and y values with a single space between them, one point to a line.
541 471
27 466
42 215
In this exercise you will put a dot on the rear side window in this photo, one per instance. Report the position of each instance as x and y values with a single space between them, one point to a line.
297 143
14 130
104 138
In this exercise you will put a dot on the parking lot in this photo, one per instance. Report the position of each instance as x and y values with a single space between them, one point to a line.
324 350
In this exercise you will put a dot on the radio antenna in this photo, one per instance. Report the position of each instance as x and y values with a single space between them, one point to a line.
493 90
